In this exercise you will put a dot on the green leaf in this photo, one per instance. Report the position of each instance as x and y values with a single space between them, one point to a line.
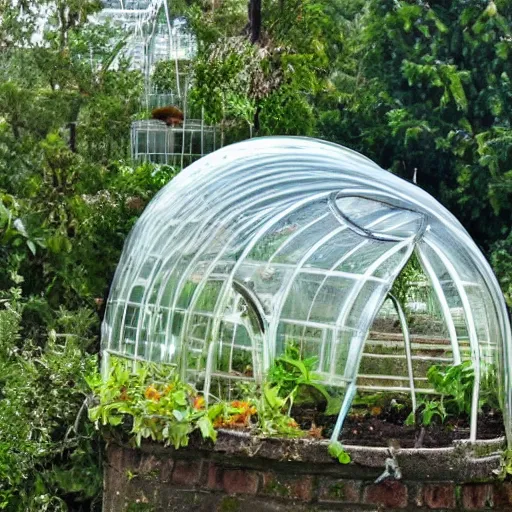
115 420
180 397
457 90
206 427
95 413
337 451
272 396
178 415
297 363
32 246
215 410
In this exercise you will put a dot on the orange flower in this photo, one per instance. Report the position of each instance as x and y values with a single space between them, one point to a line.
152 393
293 424
198 403
237 404
245 407
124 395
237 419
168 389
315 431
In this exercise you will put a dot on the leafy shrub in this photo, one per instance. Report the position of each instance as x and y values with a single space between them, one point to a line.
49 457
501 258
158 404
454 384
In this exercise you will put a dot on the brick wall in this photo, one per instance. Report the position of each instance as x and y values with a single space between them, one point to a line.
243 475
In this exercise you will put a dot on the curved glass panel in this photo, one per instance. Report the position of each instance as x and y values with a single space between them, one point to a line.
286 239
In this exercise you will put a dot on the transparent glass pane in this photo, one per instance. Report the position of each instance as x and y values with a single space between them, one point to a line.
290 240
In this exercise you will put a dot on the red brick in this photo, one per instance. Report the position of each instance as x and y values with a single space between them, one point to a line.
239 481
341 491
152 467
440 496
477 496
187 472
389 494
294 487
503 496
214 480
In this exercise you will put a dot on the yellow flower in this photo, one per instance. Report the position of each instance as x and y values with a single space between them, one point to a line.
199 402
152 393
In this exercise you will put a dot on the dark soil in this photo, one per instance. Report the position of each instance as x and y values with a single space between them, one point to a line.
385 427
379 432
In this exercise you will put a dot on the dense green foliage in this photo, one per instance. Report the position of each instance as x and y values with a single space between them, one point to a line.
434 101
455 386
149 402
152 402
48 453
64 216
424 88
158 404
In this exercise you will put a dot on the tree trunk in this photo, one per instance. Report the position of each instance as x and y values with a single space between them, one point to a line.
255 20
72 136
256 121
63 26
16 131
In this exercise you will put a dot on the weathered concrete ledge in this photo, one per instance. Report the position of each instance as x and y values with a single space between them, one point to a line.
242 472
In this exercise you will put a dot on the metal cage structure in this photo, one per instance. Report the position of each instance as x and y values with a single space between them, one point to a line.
287 238
151 34
153 141
153 37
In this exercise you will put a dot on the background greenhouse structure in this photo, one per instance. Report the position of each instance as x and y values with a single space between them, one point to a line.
154 36
153 141
278 240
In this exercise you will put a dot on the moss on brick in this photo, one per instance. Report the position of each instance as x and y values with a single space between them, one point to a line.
458 493
229 504
154 474
276 488
337 490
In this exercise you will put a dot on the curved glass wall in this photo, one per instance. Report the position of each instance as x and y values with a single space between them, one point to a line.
283 238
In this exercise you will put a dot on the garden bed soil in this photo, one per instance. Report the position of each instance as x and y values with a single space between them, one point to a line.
378 432
388 428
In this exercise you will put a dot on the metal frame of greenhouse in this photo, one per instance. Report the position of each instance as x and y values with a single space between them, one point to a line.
285 238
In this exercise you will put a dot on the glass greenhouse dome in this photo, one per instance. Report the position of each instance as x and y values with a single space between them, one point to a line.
285 239
151 35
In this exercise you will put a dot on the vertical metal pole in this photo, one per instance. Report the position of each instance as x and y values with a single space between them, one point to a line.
472 332
105 364
407 342
208 371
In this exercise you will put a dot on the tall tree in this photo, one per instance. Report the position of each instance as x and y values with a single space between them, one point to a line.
254 20
437 101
